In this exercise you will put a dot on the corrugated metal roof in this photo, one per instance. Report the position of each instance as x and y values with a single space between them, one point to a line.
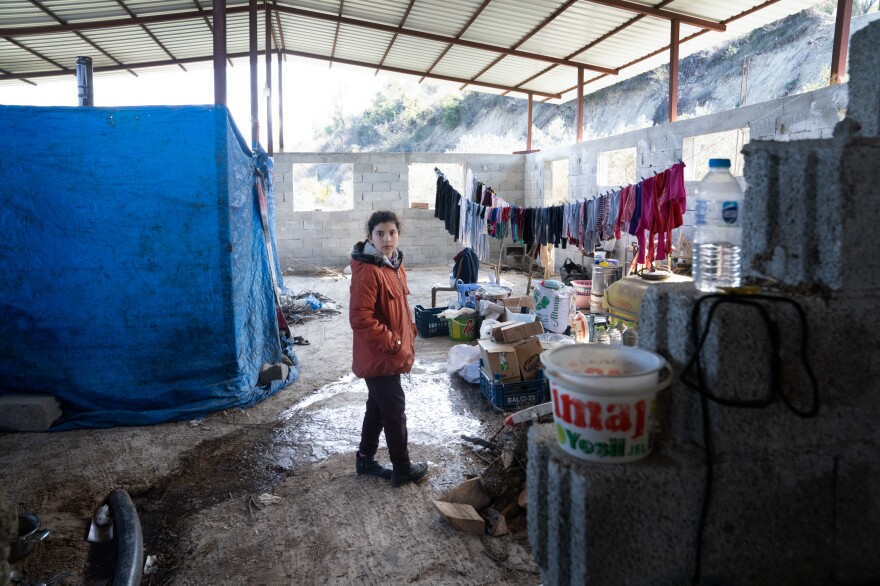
497 45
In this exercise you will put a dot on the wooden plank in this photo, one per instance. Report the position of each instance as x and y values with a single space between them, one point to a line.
470 492
462 517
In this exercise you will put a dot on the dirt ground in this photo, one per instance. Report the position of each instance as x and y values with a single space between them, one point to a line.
197 485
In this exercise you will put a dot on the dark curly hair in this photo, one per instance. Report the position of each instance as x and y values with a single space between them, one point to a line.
380 218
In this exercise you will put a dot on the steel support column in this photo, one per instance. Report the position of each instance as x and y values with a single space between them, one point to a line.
268 35
255 106
280 105
580 107
673 70
220 52
841 41
529 130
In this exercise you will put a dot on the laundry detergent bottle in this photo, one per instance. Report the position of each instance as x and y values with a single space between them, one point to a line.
718 237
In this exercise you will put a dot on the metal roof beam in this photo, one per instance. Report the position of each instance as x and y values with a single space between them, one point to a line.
336 34
593 43
733 18
94 45
665 14
142 65
38 55
527 36
442 39
27 81
65 27
466 26
394 38
149 32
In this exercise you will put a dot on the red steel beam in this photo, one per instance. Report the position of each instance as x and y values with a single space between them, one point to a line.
529 129
673 70
252 55
580 105
268 56
280 104
841 41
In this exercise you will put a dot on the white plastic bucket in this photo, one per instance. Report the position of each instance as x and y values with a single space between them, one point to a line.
604 400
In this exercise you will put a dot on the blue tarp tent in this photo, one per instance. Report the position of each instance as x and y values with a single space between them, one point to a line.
136 284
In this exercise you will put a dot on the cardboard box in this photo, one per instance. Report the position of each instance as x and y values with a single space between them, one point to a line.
510 332
528 354
515 302
499 359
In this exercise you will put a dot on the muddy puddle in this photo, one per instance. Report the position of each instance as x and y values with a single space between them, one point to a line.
439 408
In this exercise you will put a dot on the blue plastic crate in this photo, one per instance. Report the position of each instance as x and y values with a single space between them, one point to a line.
513 396
428 324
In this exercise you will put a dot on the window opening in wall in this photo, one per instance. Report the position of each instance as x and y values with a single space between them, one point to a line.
323 187
697 150
616 167
558 181
423 181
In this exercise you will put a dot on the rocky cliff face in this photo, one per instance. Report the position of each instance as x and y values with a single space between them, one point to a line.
790 56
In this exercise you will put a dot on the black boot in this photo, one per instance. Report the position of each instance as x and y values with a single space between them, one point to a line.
403 474
370 467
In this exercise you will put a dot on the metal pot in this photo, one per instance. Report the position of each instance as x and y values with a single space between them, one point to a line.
603 277
29 535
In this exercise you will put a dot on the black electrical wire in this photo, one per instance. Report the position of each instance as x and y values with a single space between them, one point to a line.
699 385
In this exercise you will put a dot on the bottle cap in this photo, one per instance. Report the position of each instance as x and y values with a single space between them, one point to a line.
722 163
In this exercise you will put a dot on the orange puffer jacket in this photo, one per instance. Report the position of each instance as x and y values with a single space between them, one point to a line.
384 332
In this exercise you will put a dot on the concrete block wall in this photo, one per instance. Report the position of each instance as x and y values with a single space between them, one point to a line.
381 181
793 499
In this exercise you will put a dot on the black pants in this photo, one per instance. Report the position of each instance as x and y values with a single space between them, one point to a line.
386 404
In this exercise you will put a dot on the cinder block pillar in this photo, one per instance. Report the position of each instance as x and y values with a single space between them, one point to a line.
592 523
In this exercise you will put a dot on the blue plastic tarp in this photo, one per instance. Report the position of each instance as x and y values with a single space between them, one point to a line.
136 284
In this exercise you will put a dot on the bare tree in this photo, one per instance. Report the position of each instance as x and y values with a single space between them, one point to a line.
861 7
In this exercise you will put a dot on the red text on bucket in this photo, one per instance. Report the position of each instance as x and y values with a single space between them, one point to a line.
618 417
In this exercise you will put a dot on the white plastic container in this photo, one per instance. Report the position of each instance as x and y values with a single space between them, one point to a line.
604 400
718 236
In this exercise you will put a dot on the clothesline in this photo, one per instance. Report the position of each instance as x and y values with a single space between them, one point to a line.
655 206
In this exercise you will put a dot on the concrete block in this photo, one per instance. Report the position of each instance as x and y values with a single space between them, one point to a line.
771 521
857 476
20 412
601 524
736 366
864 82
793 206
859 261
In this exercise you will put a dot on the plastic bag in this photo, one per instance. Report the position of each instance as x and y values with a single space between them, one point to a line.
464 360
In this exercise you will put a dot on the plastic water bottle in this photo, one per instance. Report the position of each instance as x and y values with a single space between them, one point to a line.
718 238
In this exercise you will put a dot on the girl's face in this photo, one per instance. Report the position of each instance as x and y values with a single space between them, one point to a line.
385 237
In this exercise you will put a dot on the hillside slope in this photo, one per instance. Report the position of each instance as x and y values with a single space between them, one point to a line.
787 57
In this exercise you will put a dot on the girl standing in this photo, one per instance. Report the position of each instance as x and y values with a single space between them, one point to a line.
384 347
